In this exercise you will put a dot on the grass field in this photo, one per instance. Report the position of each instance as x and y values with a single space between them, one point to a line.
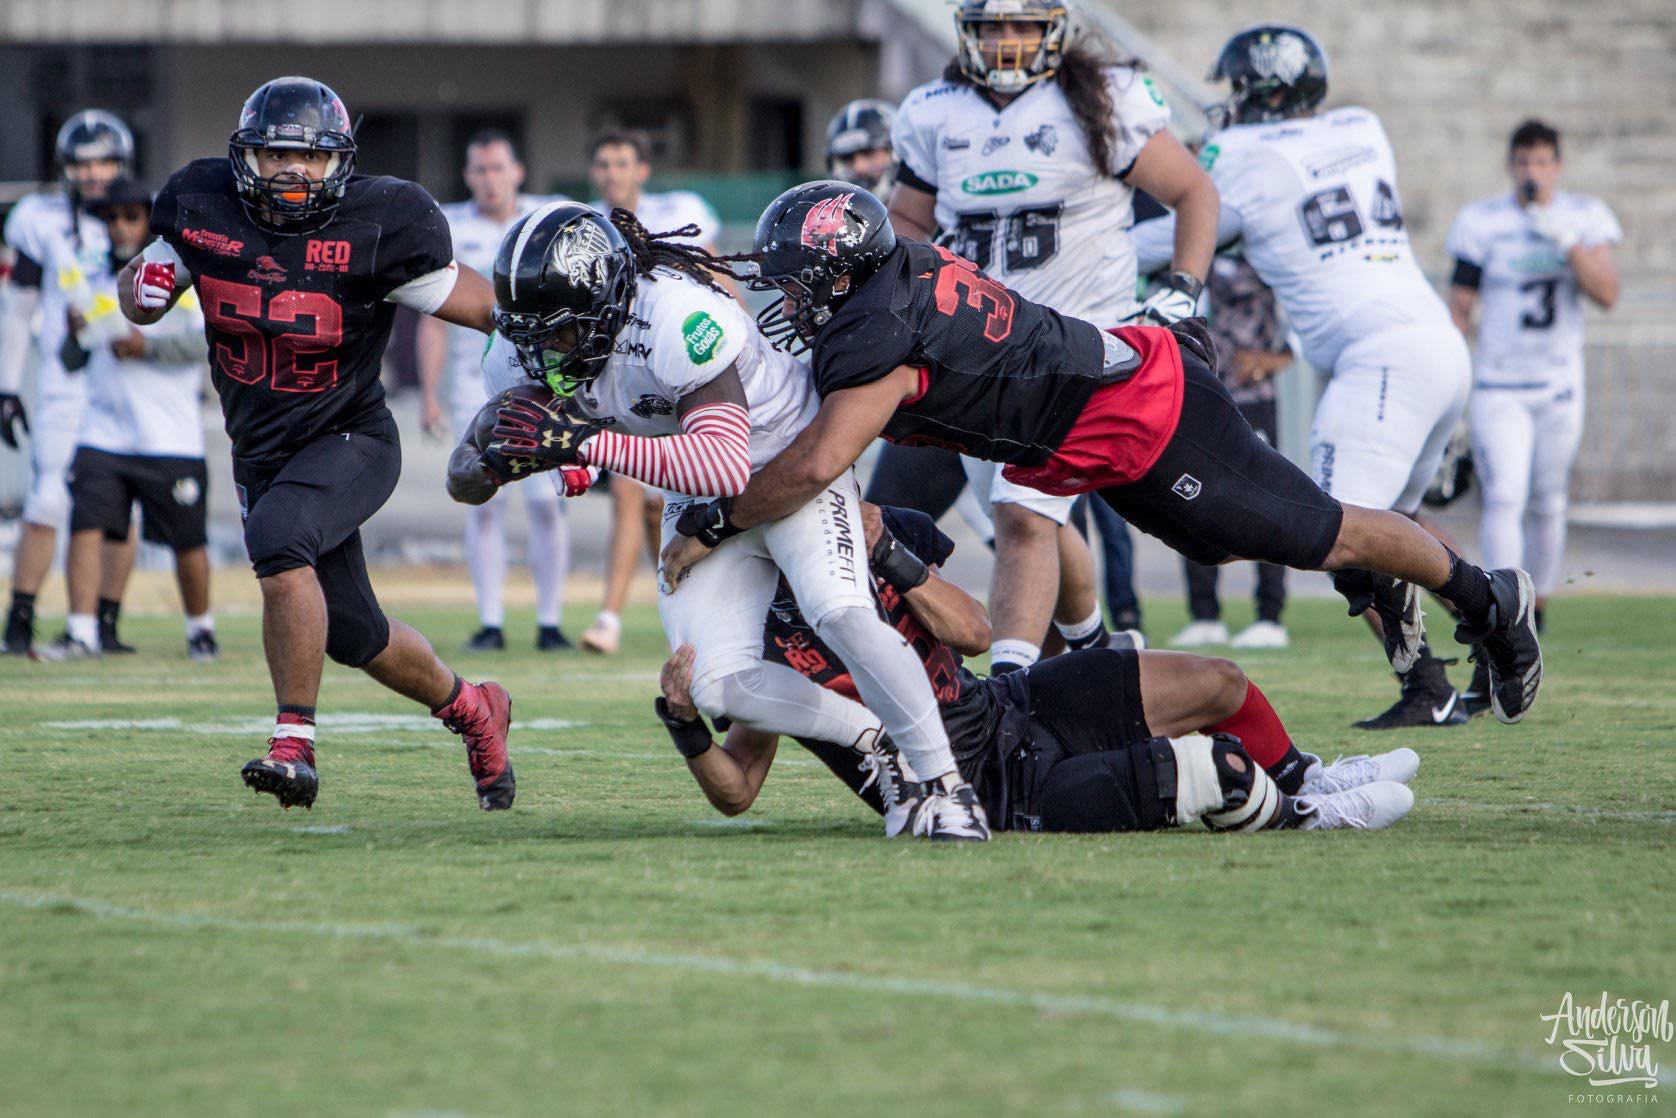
170 944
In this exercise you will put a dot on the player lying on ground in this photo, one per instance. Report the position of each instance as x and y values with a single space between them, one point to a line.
914 343
299 265
665 380
1093 740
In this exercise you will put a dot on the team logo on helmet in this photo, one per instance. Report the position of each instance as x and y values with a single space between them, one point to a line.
827 223
1283 58
579 254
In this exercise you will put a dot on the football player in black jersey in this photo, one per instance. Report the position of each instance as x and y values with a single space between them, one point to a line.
913 343
1094 740
299 264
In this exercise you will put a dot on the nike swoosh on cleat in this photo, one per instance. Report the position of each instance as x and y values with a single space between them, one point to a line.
1442 712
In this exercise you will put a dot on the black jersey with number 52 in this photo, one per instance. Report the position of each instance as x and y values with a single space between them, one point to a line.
297 322
1004 378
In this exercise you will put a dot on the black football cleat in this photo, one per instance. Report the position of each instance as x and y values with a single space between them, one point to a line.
1427 699
487 639
1398 605
286 773
20 634
201 647
1511 649
112 645
550 638
1475 700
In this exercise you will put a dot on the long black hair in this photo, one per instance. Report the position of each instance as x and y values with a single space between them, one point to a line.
670 250
1082 78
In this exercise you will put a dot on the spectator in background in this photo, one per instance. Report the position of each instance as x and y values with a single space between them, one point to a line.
1250 350
619 166
494 175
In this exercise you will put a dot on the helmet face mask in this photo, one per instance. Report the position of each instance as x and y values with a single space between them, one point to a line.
815 244
292 114
858 146
93 149
1016 65
1276 71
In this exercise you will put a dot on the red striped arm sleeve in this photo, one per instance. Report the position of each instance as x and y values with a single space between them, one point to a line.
710 458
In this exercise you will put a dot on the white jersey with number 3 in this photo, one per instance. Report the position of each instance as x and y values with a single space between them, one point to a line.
679 337
1530 323
1019 195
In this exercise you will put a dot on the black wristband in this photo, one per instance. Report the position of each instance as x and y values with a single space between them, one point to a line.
691 739
1185 281
708 523
896 564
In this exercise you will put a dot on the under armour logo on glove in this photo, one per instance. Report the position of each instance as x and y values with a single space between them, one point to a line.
504 468
548 434
154 286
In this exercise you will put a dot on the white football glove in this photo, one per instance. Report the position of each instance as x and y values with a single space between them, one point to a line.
1172 299
1561 228
154 286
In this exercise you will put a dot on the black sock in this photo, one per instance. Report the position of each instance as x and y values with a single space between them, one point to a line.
109 610
1469 588
452 695
1288 772
1096 639
23 606
299 711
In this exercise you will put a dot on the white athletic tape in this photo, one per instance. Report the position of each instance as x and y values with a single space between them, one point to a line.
1209 1022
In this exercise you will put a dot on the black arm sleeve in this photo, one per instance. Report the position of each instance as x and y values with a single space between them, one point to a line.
1466 274
26 272
909 177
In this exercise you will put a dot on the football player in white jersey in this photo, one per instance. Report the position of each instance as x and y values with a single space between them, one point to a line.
494 175
142 438
858 147
1312 198
1025 153
1523 261
660 376
94 148
619 165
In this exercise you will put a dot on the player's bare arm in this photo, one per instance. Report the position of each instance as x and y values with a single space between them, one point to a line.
948 612
1597 274
1169 173
913 212
730 775
471 302
431 344
1463 303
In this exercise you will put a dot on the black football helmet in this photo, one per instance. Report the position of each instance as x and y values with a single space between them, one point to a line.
564 279
293 114
860 126
807 239
1277 71
1013 73
89 135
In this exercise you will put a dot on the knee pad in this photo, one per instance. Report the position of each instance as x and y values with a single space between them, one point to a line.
354 636
1357 586
1217 781
274 543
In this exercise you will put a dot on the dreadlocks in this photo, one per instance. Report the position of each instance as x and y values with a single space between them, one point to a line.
666 250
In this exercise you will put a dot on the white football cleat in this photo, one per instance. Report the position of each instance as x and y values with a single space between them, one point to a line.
897 785
1132 640
604 636
1321 779
1262 634
943 814
1370 807
1201 633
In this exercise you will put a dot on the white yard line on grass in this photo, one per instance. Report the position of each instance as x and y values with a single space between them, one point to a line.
1210 1022
1556 809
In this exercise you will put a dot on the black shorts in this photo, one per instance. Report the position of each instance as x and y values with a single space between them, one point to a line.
308 512
171 493
1220 492
926 479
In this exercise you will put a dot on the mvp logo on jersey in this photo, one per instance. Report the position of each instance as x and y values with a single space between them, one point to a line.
998 182
703 335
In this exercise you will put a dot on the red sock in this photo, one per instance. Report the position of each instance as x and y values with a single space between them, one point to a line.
1265 738
296 731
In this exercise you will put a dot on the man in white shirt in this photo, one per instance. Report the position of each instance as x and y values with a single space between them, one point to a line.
1524 259
494 175
619 165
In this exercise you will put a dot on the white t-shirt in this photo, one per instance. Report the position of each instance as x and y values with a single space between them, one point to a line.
1530 322
1018 193
665 213
679 337
69 247
1314 203
146 407
476 241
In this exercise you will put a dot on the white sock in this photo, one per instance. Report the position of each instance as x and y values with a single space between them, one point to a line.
549 558
606 619
1079 631
777 700
891 680
1501 536
1022 653
1545 542
200 623
83 627
486 556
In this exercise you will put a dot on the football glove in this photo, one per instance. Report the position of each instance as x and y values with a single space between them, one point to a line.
708 522
154 286
1193 336
894 563
546 433
1172 299
1558 227
12 415
503 468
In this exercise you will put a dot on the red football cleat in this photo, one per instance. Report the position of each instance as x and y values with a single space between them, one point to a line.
286 773
482 715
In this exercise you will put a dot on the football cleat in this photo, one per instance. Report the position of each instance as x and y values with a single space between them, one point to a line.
111 644
482 715
884 766
1127 640
487 639
286 773
1510 649
943 814
550 638
1403 621
603 636
1369 807
20 633
1262 634
1427 699
1322 779
201 647
65 647
1201 633
1475 700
